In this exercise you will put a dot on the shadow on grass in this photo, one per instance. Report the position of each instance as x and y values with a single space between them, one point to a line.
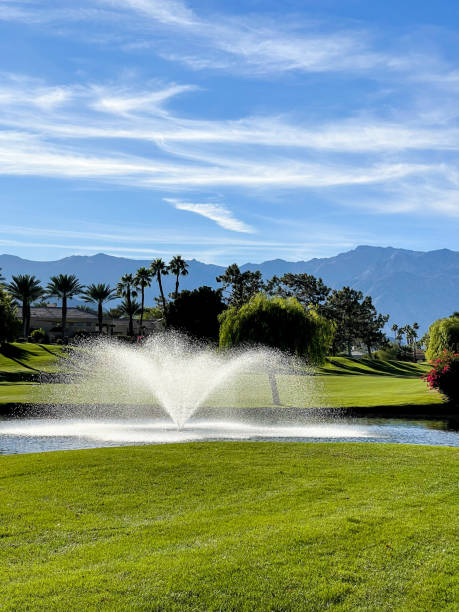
58 355
370 367
15 377
16 354
13 351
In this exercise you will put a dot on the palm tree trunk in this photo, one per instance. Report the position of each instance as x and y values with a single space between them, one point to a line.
24 319
64 316
28 319
176 285
131 327
162 297
100 316
141 309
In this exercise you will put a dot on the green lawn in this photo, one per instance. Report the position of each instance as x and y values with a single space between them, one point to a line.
20 364
231 526
22 360
342 382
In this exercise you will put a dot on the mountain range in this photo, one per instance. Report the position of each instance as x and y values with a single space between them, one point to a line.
408 285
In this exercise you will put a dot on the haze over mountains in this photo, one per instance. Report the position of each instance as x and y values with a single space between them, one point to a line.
408 285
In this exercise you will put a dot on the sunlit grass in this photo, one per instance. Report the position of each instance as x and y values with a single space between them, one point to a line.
230 526
342 382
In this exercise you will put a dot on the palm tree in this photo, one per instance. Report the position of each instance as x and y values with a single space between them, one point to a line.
126 289
400 333
142 280
410 334
130 308
415 329
158 268
26 289
395 329
178 267
63 286
98 294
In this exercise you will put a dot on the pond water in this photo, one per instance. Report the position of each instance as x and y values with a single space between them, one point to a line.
39 434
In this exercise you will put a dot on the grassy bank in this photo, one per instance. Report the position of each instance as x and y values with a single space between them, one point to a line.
20 361
230 526
20 365
342 382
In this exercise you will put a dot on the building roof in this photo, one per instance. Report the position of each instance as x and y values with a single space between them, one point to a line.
54 313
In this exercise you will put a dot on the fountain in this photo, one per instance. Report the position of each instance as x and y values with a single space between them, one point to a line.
170 389
171 373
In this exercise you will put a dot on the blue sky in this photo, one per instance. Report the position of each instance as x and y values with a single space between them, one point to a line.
227 131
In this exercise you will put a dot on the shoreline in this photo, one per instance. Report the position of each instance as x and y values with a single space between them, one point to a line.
402 411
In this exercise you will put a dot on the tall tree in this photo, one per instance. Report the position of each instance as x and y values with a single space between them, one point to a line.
401 333
26 289
311 292
159 269
414 336
178 267
443 336
278 323
126 289
242 285
129 308
10 325
356 320
99 294
196 312
371 325
64 287
343 307
142 280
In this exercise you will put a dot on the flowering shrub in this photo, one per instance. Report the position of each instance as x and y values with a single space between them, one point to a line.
444 375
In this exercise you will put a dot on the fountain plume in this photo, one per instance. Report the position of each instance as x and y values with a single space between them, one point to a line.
168 371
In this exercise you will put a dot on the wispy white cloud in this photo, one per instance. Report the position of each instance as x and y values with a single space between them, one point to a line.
67 133
221 215
144 101
140 114
173 12
22 155
257 45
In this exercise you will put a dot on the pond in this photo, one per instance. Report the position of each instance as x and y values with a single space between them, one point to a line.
39 434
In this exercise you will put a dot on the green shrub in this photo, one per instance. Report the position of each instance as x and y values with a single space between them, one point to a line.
10 325
444 375
38 335
394 352
443 336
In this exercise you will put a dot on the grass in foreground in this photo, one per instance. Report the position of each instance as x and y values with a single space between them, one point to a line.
230 526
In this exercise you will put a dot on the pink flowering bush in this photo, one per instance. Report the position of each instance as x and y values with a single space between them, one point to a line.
444 375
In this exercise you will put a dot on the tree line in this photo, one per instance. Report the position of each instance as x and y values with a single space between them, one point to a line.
27 289
352 316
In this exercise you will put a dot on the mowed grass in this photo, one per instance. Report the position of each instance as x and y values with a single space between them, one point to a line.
28 358
20 364
231 526
342 382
